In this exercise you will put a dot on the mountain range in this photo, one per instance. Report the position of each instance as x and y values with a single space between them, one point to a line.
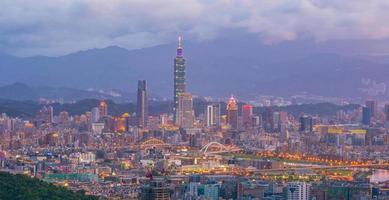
24 92
242 66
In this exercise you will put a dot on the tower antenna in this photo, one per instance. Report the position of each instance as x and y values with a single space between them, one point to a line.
180 39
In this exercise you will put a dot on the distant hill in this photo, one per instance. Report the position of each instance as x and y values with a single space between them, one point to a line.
28 109
23 92
242 66
20 187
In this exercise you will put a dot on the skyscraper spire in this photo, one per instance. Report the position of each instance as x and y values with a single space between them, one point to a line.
180 38
180 47
232 103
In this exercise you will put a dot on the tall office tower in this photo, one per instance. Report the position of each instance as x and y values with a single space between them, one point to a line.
283 117
386 110
95 114
185 117
306 124
45 115
366 116
142 104
277 121
216 115
157 189
372 105
126 119
298 191
257 120
179 76
283 121
268 121
209 116
247 114
103 109
212 117
232 113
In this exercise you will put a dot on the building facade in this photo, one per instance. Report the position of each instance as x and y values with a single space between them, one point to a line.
298 191
232 113
179 76
103 109
185 117
212 115
142 104
247 114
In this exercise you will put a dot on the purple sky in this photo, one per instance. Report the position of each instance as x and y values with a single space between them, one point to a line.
56 27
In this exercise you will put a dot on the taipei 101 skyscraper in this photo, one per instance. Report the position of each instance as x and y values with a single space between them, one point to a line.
179 76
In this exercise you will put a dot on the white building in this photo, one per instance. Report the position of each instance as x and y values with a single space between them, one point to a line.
95 114
87 157
212 116
97 128
298 191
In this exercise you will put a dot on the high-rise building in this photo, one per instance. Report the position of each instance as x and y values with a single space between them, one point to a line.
211 191
179 76
268 121
366 115
156 190
306 124
247 114
372 105
142 104
232 113
185 117
95 114
45 115
103 109
283 121
298 191
256 120
212 117
126 119
209 116
386 110
277 121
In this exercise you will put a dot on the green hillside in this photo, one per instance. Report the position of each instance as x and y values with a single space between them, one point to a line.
15 187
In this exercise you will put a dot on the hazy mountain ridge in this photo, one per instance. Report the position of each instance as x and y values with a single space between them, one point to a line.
23 92
242 66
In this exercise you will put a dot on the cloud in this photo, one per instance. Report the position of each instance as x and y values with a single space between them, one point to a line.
55 27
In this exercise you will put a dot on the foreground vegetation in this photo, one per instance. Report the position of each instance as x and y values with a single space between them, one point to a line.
15 187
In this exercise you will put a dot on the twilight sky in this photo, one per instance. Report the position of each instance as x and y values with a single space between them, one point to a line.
56 27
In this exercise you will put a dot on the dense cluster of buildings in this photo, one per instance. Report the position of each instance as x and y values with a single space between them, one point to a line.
231 150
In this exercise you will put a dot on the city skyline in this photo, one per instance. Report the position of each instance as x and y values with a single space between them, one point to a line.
265 100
